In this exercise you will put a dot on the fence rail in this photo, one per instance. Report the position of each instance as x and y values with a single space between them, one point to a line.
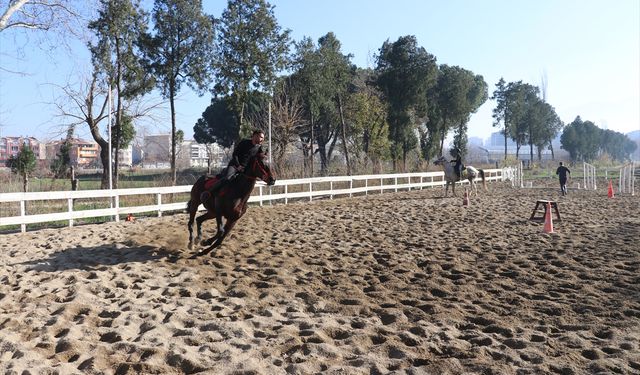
283 190
626 183
589 176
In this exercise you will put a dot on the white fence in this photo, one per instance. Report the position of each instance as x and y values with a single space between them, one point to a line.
589 176
626 184
283 190
514 174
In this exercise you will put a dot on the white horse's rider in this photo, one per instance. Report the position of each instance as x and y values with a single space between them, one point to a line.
458 167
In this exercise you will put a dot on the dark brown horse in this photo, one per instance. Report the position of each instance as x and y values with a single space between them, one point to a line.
230 202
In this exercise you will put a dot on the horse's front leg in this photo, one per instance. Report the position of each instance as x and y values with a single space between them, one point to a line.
219 227
190 226
227 228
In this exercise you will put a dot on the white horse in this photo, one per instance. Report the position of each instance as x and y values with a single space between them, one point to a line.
450 175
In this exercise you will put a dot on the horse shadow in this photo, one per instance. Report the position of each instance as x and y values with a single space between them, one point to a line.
99 257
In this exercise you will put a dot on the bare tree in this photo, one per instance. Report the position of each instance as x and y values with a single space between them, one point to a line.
37 14
50 22
287 121
87 103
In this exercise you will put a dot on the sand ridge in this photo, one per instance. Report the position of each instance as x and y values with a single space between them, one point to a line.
396 283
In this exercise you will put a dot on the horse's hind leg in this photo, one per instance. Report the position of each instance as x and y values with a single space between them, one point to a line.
206 216
192 215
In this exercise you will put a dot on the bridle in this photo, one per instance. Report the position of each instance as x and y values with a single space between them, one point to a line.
260 168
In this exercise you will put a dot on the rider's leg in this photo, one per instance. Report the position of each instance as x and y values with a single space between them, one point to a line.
231 170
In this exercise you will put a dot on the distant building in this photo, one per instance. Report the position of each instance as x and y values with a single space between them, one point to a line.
200 155
157 150
84 154
11 146
476 141
494 148
189 154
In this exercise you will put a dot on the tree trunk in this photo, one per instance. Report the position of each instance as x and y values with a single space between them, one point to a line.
531 153
118 114
25 182
311 147
505 142
174 173
443 136
344 137
539 154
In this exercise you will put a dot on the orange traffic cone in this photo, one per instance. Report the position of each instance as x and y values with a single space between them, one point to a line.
465 200
548 221
130 218
610 193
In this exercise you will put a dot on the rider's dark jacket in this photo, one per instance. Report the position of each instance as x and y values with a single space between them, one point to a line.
244 151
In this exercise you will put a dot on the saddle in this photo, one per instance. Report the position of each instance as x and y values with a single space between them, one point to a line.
210 181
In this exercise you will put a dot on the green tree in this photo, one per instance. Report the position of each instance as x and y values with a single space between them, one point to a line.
24 163
251 49
120 26
546 128
405 72
500 112
581 139
218 124
61 164
180 51
322 78
617 145
521 100
369 131
127 131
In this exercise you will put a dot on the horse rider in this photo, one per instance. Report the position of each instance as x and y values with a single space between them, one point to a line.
458 167
242 153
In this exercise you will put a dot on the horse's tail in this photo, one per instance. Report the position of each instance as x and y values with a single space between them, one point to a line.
484 182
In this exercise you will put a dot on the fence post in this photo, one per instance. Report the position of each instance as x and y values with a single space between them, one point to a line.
310 191
260 188
23 213
159 205
331 189
286 192
366 187
70 207
117 208
381 185
350 187
395 183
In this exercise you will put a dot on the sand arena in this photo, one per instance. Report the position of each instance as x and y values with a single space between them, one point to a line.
395 283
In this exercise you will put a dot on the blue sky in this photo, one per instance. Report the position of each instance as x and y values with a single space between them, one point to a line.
588 50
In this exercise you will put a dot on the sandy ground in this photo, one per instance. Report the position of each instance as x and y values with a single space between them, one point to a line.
403 282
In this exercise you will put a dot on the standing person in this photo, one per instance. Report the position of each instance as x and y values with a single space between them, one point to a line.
245 150
563 173
458 167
